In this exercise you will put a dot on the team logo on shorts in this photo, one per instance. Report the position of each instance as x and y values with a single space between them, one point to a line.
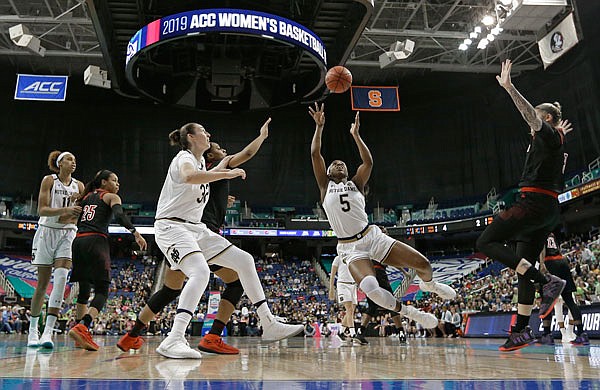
175 255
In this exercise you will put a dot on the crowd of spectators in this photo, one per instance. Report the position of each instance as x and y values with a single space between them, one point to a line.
295 292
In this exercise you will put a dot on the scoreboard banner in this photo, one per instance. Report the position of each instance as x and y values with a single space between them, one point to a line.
225 20
366 98
496 324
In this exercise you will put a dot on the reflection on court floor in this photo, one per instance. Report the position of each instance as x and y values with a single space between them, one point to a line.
302 363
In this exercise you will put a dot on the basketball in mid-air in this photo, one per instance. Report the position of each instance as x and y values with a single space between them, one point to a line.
338 79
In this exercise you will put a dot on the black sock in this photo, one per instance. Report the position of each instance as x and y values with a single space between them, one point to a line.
522 322
547 330
86 320
217 327
578 329
533 274
137 328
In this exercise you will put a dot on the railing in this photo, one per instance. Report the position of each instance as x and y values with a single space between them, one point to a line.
6 285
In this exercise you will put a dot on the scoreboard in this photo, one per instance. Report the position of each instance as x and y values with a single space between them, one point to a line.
460 225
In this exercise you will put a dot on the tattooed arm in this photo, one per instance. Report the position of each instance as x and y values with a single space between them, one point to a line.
524 107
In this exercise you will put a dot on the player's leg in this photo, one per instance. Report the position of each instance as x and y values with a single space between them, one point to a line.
212 341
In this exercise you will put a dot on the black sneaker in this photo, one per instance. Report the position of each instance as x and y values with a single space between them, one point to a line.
518 340
550 293
546 339
360 339
582 339
344 338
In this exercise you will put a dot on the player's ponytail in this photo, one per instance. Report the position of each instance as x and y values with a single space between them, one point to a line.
179 136
103 174
52 163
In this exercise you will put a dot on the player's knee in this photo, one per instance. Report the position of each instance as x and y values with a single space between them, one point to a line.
233 292
369 284
162 298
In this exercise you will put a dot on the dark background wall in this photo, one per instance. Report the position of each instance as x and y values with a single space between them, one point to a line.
457 135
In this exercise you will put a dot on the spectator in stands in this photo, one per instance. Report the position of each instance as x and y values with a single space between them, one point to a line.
358 242
535 214
51 248
6 324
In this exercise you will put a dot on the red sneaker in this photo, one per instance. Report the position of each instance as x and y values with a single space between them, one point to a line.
128 342
212 343
81 335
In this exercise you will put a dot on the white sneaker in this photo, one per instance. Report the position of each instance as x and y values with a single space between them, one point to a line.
177 347
33 339
442 290
46 341
428 320
176 369
567 335
277 331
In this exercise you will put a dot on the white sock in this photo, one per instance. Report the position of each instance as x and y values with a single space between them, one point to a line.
352 332
180 324
50 321
33 324
264 313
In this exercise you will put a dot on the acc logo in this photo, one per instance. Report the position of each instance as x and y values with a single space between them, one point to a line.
557 42
44 87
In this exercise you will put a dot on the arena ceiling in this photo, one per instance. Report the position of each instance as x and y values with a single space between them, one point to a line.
77 33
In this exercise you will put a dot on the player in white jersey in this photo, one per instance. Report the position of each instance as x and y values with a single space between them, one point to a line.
346 296
189 245
359 242
51 249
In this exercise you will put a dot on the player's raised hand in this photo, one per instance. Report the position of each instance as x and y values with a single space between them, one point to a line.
356 125
264 130
318 114
504 77
565 126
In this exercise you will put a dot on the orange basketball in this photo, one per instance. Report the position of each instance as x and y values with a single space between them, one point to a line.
338 79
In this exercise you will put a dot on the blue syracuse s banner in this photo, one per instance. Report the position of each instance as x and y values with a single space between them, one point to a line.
366 98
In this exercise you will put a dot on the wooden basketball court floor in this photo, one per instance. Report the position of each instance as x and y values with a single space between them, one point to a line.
303 363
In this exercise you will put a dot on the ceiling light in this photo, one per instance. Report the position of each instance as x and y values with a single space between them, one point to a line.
463 47
482 44
473 35
467 41
506 2
490 37
477 29
488 20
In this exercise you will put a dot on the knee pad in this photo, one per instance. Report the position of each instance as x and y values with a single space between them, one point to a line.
233 292
381 297
162 298
84 293
58 287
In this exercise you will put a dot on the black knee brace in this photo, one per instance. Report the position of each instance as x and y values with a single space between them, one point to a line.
526 292
162 298
233 292
100 295
84 293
